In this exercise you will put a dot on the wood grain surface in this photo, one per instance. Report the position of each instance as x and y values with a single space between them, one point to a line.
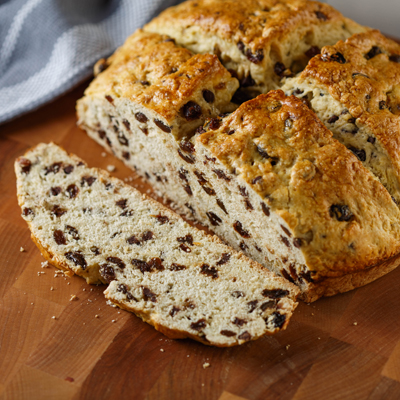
345 347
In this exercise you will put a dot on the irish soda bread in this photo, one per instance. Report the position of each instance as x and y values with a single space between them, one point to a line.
354 88
173 276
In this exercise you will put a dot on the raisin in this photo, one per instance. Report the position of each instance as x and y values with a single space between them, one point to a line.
245 336
231 132
199 325
208 190
72 231
257 248
214 124
174 311
243 191
239 322
72 191
214 219
126 213
227 333
307 276
341 212
27 211
225 257
239 229
221 205
186 239
189 159
148 235
265 209
208 96
248 205
209 271
395 58
191 111
285 240
286 231
252 305
77 258
55 191
117 261
268 304
382 105
88 180
200 130
297 242
122 203
123 289
177 267
263 153
59 237
95 250
359 153
183 174
144 130
68 169
107 272
155 263
373 52
185 248
126 124
221 174
243 246
237 294
333 119
279 69
102 134
109 99
200 177
313 51
115 234
58 211
256 180
162 126
188 190
54 168
133 240
278 319
126 155
256 57
122 139
241 47
186 146
247 81
25 165
149 295
274 293
162 219
321 16
145 83
142 265
371 140
337 57
360 74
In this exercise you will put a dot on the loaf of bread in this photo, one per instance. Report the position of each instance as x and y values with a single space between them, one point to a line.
354 88
173 276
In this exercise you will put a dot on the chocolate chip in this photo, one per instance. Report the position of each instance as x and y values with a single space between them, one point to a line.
185 248
58 211
198 325
72 191
55 191
177 267
208 96
72 231
313 51
240 230
395 58
221 174
117 261
267 305
161 219
59 237
187 146
333 119
214 124
279 69
321 16
77 258
209 271
68 169
54 168
191 111
252 305
174 311
278 319
186 157
274 293
214 219
297 242
359 153
148 235
25 165
337 57
162 126
239 322
237 294
149 295
107 272
341 212
186 239
133 240
245 336
221 205
265 209
27 211
122 203
371 140
109 99
227 333
88 180
225 257
255 57
373 52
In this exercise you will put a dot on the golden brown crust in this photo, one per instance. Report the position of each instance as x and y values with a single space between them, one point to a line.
367 82
277 145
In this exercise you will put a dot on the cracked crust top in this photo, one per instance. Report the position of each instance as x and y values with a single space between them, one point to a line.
345 218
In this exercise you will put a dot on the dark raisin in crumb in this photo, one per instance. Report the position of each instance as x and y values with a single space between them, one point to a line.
68 169
122 139
227 333
186 157
185 248
95 250
214 219
333 119
55 191
286 231
162 126
124 289
27 211
133 240
256 180
145 83
341 212
359 153
208 190
265 209
221 174
337 57
247 81
208 96
297 242
191 111
77 258
225 257
156 263
88 180
243 246
102 134
149 295
279 69
72 231
313 51
58 211
148 235
162 219
126 155
183 174
174 311
373 52
188 190
278 319
237 294
221 205
382 105
239 322
107 272
25 165
285 240
109 99
371 140
241 47
240 230
177 267
186 239
199 325
245 336
186 146
72 191
126 213
252 305
214 124
255 57
257 248
117 261
142 265
274 293
121 203
200 130
126 124
249 206
209 271
267 305
320 15
59 237
395 58
54 168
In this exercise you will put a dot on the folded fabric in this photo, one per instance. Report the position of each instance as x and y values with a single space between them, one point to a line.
47 47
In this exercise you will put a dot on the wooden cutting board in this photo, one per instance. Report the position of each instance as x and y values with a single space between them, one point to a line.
52 347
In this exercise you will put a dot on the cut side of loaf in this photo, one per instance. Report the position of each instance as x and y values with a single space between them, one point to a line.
262 41
354 88
173 276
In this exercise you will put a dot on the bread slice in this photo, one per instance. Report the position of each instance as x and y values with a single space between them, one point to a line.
354 88
173 276
262 41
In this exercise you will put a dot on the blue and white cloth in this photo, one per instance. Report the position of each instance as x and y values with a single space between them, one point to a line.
49 46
